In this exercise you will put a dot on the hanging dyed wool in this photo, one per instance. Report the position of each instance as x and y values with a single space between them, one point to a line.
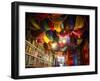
46 39
35 24
79 22
57 26
71 22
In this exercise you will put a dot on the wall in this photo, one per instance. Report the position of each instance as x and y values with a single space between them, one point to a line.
5 40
